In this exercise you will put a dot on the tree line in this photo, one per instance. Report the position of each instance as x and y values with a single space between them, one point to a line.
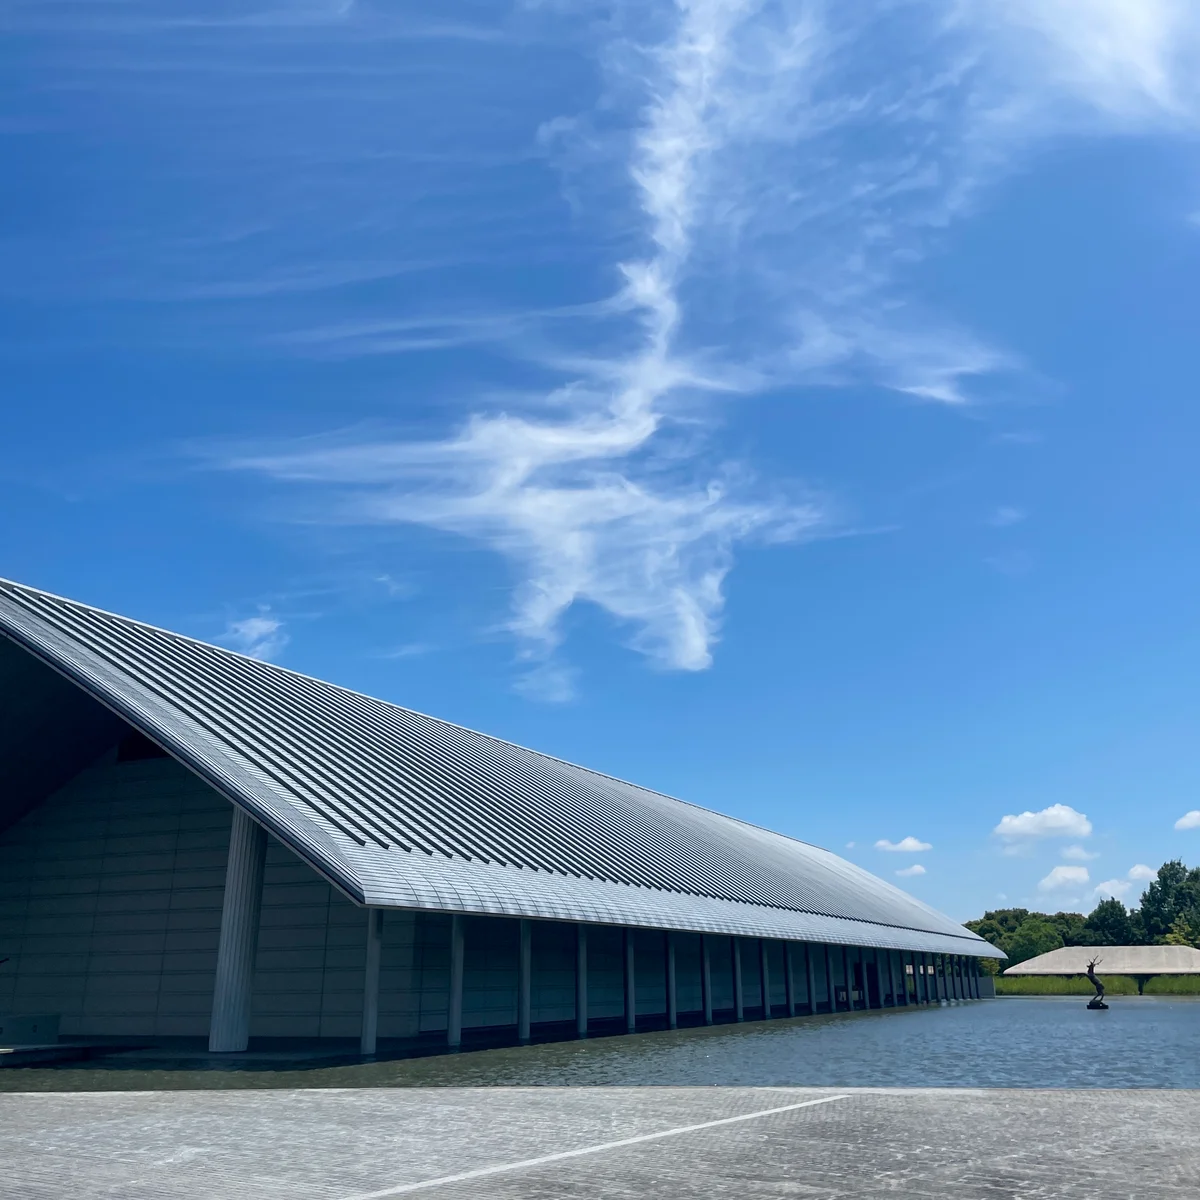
1169 913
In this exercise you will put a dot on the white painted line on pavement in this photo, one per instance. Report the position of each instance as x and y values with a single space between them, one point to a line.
483 1172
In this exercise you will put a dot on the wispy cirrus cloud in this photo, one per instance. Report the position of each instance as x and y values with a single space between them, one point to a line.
407 650
751 190
1129 61
1006 515
575 500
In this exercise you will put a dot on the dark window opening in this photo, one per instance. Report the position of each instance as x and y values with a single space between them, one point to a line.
134 747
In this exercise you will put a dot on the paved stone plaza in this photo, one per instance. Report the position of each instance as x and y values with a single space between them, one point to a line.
366 1144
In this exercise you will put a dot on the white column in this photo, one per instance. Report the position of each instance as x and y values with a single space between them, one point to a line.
229 1027
672 997
370 1017
581 981
454 1007
630 985
525 981
706 979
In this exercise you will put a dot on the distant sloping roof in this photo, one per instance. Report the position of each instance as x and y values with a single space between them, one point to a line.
400 809
1113 960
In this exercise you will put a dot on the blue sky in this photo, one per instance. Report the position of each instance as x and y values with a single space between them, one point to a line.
786 407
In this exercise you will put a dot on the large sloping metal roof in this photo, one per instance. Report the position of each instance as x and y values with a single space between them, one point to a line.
400 809
1113 960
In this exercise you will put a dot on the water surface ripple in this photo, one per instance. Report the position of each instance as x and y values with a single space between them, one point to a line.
1140 1042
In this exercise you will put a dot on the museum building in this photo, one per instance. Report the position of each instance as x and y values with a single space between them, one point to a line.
197 844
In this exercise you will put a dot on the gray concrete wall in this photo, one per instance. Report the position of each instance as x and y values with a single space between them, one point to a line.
110 901
110 908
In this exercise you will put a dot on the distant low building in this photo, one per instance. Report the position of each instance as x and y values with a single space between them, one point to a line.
194 843
1139 962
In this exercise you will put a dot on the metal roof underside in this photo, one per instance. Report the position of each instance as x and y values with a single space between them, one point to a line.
399 809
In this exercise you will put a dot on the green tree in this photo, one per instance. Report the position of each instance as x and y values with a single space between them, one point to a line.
1137 928
1108 924
1170 910
997 927
1185 929
998 924
1035 935
1070 928
1173 891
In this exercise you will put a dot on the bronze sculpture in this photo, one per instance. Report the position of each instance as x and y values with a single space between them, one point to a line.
1097 1001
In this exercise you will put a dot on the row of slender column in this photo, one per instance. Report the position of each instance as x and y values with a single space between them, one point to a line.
935 977
944 977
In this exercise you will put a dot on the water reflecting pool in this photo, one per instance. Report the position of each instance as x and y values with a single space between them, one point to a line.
1023 1043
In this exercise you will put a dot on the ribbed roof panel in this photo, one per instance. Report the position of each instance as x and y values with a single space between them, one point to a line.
377 796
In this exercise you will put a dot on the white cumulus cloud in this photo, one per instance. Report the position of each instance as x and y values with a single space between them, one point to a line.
1112 889
1059 820
908 872
1079 854
906 845
1189 820
1118 889
1063 877
261 636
